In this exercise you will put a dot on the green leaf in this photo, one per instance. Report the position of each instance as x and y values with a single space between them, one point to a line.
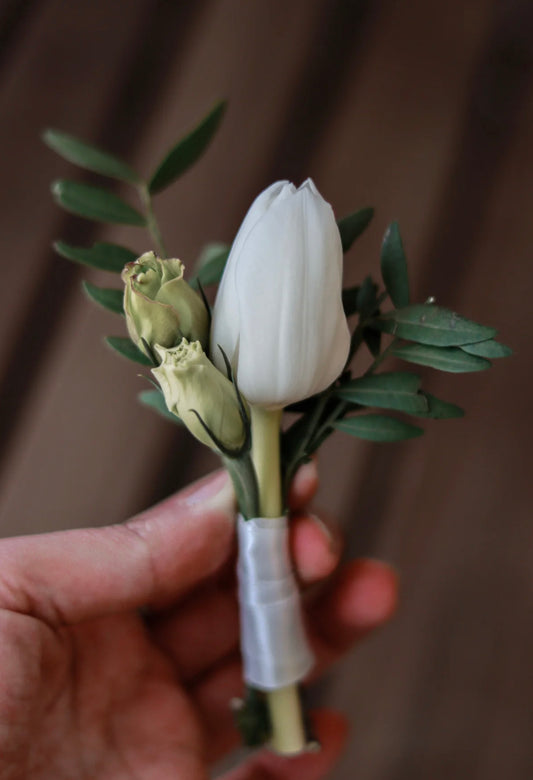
488 349
125 347
394 266
429 324
110 299
95 203
106 257
90 157
372 339
378 427
353 225
187 150
298 437
211 264
156 401
450 359
252 718
440 410
366 301
349 300
392 390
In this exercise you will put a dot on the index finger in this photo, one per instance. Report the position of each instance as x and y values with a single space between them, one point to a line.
69 576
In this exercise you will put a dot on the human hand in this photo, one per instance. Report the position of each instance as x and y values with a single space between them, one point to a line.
91 689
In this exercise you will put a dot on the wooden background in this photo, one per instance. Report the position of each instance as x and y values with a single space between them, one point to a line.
423 109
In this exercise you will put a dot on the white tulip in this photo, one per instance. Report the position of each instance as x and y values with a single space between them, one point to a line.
278 314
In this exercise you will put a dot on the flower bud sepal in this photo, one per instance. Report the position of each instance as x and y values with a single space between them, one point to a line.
227 452
243 477
238 462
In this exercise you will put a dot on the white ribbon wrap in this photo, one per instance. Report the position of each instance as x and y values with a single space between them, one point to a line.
273 642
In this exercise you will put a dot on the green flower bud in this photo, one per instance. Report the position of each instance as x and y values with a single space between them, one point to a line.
192 386
160 306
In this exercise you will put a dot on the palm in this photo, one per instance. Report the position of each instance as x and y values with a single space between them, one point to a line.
101 700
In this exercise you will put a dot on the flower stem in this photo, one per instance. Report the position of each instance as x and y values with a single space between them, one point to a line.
381 357
288 731
151 221
266 458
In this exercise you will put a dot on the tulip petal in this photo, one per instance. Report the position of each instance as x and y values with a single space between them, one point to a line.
225 325
279 311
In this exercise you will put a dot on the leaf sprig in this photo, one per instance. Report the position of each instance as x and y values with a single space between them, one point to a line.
102 205
422 334
418 333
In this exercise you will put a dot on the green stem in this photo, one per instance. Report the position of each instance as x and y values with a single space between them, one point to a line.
302 452
380 358
151 221
288 730
266 459
357 335
355 343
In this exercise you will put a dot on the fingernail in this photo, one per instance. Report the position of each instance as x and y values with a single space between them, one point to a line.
333 542
307 471
213 491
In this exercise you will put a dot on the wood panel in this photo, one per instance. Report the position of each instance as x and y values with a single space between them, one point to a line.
424 110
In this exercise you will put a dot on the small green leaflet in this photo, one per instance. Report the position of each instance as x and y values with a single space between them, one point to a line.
450 359
361 299
349 300
106 257
440 410
394 267
187 150
353 225
429 324
252 718
367 301
394 390
488 349
95 203
211 264
156 401
125 347
372 339
110 299
378 427
90 157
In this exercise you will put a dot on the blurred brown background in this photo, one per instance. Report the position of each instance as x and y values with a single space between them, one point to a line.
422 109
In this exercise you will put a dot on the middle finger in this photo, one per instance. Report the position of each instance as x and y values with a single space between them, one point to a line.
204 629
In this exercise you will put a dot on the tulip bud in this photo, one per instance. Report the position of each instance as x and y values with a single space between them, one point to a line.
278 314
161 308
193 387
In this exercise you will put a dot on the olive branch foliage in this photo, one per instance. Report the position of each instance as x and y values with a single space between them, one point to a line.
387 323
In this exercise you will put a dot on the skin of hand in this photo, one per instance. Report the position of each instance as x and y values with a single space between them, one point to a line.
92 688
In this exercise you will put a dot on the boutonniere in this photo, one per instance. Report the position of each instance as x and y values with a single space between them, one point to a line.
278 339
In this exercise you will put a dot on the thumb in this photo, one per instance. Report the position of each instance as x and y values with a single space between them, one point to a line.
69 576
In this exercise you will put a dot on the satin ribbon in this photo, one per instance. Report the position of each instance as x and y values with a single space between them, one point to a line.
274 646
